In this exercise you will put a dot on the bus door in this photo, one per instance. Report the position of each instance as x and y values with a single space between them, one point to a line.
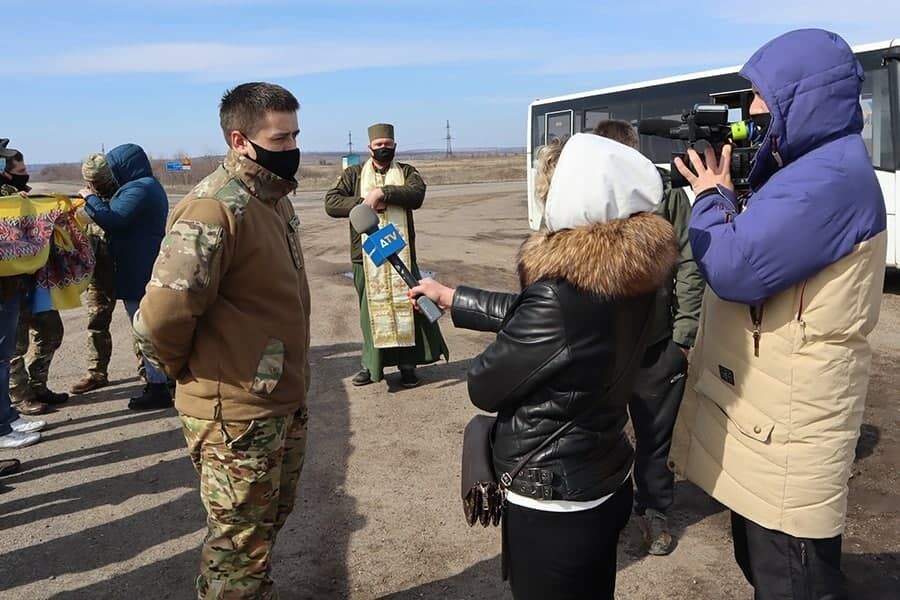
889 157
880 103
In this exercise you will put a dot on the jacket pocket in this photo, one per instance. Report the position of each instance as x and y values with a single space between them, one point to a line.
748 419
293 240
270 368
667 366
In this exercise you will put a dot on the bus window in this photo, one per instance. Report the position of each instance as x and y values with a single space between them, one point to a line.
593 116
876 107
538 132
559 125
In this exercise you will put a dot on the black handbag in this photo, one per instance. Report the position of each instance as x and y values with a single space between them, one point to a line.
483 496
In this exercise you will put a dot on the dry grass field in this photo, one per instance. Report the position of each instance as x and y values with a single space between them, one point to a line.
319 172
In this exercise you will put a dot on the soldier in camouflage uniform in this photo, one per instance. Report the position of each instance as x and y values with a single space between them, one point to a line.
101 292
28 381
227 312
134 221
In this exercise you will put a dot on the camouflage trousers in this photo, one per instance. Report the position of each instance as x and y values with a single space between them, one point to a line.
100 298
26 381
248 481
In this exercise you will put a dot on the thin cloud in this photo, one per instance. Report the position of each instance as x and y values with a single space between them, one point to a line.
217 61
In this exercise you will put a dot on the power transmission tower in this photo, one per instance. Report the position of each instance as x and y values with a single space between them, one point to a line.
449 147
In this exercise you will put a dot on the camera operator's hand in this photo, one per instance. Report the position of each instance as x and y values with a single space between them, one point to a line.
713 173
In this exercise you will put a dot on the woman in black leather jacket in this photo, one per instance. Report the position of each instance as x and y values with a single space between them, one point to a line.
566 349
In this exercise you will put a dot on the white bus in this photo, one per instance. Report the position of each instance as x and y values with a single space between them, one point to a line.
563 116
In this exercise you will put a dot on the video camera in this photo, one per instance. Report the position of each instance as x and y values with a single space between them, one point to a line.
707 123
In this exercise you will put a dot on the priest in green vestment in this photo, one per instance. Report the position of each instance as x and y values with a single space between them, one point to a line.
393 333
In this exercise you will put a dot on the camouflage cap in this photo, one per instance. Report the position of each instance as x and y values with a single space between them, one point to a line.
381 131
95 169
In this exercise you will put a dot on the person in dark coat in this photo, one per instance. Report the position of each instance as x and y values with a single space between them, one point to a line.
134 220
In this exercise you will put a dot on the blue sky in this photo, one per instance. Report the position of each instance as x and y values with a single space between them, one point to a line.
81 74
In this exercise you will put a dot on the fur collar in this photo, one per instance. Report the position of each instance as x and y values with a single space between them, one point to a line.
619 259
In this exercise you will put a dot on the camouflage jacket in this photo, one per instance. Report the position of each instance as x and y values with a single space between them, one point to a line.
227 307
344 195
7 189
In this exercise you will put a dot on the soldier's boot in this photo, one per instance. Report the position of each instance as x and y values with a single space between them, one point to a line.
50 397
154 397
655 527
24 401
30 407
94 381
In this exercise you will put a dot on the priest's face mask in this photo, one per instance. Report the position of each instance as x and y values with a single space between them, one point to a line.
383 150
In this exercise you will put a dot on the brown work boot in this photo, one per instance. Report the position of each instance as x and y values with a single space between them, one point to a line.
30 407
94 381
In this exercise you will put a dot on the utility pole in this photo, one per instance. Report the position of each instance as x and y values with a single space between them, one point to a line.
449 147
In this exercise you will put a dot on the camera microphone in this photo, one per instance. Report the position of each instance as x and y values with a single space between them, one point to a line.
660 127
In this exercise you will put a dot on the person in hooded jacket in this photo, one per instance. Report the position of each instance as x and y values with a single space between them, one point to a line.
134 219
778 377
567 347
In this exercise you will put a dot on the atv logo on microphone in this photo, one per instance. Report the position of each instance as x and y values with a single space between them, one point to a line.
383 243
390 237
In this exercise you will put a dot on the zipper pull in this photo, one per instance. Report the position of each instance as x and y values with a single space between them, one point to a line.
756 316
803 553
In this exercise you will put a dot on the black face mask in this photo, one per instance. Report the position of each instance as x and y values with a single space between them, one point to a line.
384 155
762 123
283 163
20 182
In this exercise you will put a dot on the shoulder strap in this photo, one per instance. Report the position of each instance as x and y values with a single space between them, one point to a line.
506 479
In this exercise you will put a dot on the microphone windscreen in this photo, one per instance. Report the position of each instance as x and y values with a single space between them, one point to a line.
660 127
363 219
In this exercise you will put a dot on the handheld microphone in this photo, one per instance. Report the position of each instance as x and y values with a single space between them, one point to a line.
383 245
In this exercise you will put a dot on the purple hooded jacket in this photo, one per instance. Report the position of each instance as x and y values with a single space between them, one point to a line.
823 201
